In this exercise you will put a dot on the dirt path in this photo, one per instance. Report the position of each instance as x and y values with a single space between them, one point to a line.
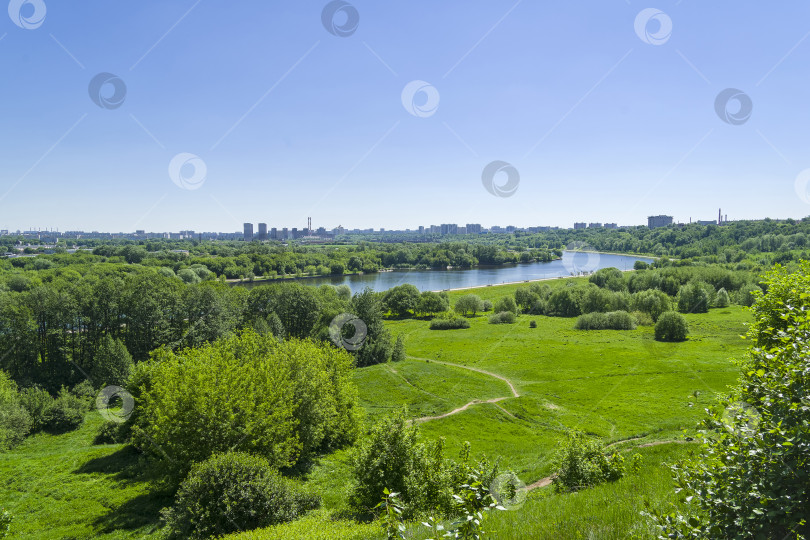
473 402
504 379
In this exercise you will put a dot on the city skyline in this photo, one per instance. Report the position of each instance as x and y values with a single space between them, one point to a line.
121 117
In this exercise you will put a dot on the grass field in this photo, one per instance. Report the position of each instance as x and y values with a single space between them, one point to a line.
618 385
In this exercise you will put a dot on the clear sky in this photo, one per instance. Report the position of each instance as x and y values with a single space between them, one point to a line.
605 112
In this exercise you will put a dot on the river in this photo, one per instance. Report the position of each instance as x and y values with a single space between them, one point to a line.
436 280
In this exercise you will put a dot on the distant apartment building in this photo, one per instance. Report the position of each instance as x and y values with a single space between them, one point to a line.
594 225
449 228
580 225
611 226
706 222
421 229
658 221
274 233
248 232
474 228
262 231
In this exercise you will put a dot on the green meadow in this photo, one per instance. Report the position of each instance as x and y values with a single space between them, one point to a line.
621 386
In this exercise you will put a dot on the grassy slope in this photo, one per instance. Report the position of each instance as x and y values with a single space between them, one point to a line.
64 487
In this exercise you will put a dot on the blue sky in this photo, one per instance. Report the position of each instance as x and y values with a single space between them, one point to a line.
292 121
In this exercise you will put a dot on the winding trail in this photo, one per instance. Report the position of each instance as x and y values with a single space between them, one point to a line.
542 482
473 402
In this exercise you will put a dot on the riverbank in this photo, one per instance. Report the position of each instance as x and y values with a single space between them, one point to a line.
506 283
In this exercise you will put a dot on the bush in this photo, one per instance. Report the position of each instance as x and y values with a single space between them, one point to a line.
85 392
563 303
66 413
640 265
507 303
391 458
533 324
469 304
750 479
450 323
15 422
643 319
293 398
503 317
694 297
747 294
722 300
671 326
652 302
486 306
232 492
110 432
38 402
614 320
399 350
582 463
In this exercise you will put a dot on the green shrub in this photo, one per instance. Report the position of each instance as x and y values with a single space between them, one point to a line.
582 462
671 326
469 304
486 306
110 432
85 392
399 350
563 303
451 323
38 402
66 413
751 478
694 297
391 458
642 319
507 303
230 492
532 324
746 295
614 320
15 422
652 302
282 400
722 300
503 317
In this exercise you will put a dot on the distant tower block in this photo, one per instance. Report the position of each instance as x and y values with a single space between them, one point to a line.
309 226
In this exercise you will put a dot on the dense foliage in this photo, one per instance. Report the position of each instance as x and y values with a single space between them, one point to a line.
281 400
752 479
390 457
671 326
583 462
230 492
613 320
